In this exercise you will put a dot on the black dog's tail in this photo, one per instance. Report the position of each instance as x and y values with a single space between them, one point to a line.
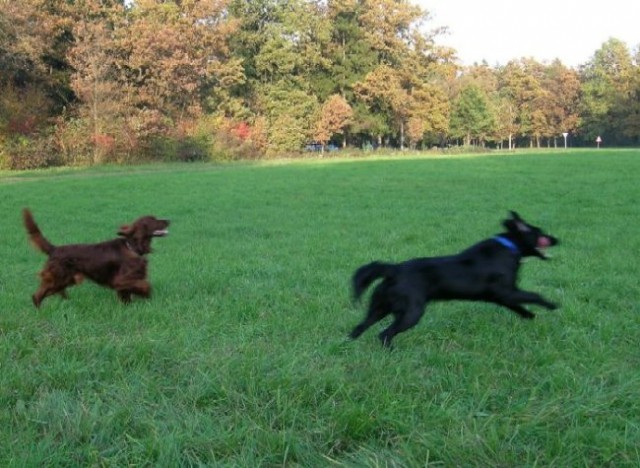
367 274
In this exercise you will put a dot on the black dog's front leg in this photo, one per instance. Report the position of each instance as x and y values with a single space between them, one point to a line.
526 297
520 310
514 299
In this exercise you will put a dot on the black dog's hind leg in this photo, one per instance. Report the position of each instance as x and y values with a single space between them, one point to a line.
405 319
378 309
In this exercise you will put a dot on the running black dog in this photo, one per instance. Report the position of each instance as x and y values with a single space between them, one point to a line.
487 271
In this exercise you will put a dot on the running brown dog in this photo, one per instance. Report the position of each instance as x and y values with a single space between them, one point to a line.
119 264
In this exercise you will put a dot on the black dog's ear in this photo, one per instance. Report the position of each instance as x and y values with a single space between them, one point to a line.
517 222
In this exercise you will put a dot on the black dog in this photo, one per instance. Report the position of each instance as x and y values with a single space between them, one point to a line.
487 271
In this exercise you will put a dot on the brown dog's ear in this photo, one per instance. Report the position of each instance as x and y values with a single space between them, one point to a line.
515 216
125 230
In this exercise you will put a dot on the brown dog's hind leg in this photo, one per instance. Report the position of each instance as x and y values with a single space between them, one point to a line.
51 284
46 291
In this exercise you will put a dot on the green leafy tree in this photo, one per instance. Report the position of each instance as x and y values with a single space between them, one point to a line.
506 115
630 103
290 113
521 87
471 117
370 126
350 56
607 82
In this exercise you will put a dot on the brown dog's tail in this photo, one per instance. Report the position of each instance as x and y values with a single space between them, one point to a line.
367 274
35 236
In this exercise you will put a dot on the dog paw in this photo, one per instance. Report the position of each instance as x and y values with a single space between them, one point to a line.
528 315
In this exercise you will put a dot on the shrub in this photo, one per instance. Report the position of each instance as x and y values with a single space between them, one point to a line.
21 153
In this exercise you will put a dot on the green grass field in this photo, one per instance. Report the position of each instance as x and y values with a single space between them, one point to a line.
241 357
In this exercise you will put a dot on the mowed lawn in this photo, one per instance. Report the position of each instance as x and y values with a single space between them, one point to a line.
240 358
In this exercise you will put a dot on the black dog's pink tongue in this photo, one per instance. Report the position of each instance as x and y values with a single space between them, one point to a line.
543 242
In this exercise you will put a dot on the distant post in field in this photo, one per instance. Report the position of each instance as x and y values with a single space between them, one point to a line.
565 135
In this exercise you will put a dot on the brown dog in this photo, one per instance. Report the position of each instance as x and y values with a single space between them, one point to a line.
117 264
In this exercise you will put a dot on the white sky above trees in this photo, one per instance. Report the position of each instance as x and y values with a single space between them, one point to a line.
500 30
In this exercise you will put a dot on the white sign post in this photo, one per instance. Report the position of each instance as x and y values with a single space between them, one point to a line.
598 140
565 135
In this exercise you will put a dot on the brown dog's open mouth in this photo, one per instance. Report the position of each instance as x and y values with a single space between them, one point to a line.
160 233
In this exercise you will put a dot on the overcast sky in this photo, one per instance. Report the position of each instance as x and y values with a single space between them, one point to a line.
501 30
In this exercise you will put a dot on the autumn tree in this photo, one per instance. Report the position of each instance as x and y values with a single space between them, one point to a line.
173 51
95 77
561 107
429 112
409 84
390 27
34 37
382 91
415 131
335 116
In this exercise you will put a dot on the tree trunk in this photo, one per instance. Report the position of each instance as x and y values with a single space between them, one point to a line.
96 124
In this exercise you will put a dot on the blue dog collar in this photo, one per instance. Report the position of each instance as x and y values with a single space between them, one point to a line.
507 243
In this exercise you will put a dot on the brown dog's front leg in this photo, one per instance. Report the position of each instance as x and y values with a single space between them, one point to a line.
124 296
126 288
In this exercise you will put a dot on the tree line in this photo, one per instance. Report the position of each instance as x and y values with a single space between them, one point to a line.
94 81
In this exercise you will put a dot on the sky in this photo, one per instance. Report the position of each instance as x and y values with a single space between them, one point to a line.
500 30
